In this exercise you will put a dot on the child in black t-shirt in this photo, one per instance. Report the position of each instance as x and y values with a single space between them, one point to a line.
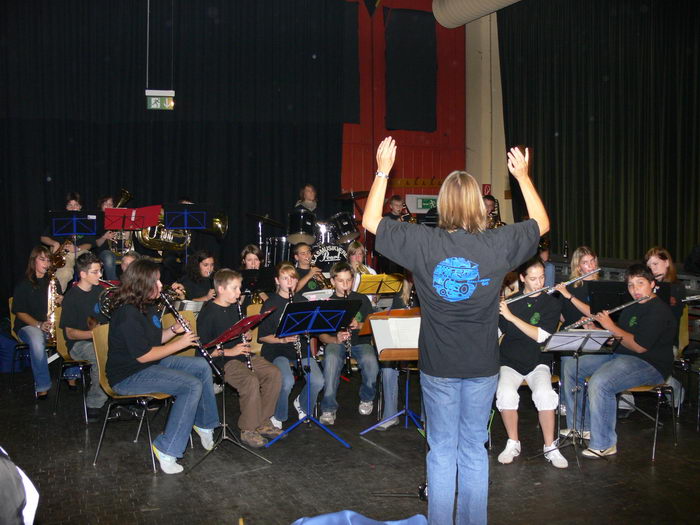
79 316
197 279
258 386
360 347
644 357
282 352
526 324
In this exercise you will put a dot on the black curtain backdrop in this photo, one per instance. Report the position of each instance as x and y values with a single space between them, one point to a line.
607 93
257 112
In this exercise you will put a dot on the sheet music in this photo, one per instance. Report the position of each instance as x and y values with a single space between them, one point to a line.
398 332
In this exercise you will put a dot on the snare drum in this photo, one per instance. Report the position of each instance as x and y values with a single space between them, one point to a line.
301 224
275 250
344 226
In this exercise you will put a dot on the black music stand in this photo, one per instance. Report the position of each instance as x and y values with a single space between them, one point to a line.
314 317
67 223
226 433
576 342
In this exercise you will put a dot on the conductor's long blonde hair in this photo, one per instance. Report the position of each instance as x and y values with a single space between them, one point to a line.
460 205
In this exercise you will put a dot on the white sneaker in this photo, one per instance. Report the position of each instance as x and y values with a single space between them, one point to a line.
328 418
388 424
552 454
562 409
586 434
297 405
218 388
276 422
366 407
511 451
206 436
168 464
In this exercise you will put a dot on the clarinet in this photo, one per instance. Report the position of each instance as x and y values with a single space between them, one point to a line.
297 343
348 345
612 311
248 362
206 355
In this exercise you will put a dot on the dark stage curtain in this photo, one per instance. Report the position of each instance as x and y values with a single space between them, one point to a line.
607 93
258 109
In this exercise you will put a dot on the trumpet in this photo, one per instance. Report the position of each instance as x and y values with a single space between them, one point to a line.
612 311
551 289
198 345
322 280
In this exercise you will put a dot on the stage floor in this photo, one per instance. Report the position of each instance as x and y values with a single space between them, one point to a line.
313 474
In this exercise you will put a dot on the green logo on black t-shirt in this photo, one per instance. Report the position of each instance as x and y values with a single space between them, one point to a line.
535 319
312 285
633 321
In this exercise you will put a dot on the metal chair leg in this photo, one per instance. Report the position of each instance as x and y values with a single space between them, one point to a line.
673 419
102 433
150 440
656 422
82 380
58 388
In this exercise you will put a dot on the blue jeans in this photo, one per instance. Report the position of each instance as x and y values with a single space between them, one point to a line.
36 339
316 378
109 264
188 379
457 412
333 359
390 388
85 351
610 375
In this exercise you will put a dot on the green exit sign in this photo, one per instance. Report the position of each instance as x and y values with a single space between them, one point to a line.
160 99
426 204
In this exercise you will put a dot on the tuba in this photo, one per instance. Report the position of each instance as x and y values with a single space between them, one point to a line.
121 243
159 238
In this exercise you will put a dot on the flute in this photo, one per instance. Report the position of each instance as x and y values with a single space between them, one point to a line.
248 362
691 299
206 355
551 289
612 311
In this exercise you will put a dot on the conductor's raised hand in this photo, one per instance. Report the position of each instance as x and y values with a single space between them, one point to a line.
518 163
386 154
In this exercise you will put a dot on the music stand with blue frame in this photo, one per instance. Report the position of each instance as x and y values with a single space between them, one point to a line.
314 317
73 223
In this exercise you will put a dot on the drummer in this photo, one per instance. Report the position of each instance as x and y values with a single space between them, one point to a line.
308 200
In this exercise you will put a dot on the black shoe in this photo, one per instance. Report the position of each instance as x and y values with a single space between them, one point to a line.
95 415
624 414
41 396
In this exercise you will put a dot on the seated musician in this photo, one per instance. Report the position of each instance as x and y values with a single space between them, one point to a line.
644 357
525 325
71 251
360 348
197 280
395 208
575 299
30 306
281 351
102 247
127 259
141 361
251 259
259 388
356 259
79 316
309 276
308 200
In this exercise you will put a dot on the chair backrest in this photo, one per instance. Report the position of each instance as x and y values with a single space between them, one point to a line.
255 345
100 340
61 346
168 320
10 301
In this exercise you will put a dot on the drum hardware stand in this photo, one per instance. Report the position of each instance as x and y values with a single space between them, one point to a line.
309 318
226 433
590 342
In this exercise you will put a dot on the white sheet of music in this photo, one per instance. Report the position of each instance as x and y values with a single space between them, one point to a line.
398 332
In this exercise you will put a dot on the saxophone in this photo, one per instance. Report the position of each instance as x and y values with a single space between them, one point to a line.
52 304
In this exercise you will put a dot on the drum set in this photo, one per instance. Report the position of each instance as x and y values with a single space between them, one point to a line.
328 239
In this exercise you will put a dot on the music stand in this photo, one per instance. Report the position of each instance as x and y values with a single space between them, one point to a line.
67 223
380 284
226 433
185 217
314 317
578 342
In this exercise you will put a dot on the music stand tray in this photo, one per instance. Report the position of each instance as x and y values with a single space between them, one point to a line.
380 284
314 317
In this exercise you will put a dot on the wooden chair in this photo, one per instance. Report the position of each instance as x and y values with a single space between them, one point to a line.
168 320
255 345
68 362
100 341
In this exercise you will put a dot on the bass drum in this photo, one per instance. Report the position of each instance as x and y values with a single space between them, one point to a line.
344 227
325 256
275 250
301 223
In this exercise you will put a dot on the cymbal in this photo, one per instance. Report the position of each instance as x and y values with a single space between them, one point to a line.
352 195
265 219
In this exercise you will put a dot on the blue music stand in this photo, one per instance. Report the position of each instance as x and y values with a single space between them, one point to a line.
73 223
314 317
